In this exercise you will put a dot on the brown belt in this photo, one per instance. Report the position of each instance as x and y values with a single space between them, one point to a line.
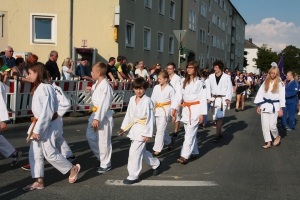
217 96
34 120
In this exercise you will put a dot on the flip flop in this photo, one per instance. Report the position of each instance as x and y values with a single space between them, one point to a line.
31 188
73 179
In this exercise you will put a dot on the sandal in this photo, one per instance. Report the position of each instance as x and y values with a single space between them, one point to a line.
182 160
74 178
31 188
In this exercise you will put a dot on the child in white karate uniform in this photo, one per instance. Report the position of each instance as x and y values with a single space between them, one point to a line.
193 94
140 118
59 140
100 124
270 101
44 129
6 149
162 95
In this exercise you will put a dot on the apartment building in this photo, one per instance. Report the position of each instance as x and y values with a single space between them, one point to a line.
97 29
137 29
251 54
215 31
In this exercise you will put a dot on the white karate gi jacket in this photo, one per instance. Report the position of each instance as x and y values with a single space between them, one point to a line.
194 91
208 91
3 109
175 82
223 88
44 105
163 96
102 97
63 101
279 95
144 109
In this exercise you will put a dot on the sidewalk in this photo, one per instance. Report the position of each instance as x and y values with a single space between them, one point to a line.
66 120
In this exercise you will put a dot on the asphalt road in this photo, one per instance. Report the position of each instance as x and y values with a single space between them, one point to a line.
235 168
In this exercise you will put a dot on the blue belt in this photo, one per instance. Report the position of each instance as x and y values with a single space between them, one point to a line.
268 101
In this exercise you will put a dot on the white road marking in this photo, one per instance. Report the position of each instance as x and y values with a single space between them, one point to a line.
164 183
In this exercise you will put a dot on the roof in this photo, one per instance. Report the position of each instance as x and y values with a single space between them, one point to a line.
249 45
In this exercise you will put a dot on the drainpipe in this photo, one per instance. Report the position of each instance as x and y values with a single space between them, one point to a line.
71 29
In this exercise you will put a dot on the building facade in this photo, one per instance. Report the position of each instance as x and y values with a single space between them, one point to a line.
137 29
251 54
215 31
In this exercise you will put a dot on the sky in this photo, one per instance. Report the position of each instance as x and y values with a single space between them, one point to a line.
272 22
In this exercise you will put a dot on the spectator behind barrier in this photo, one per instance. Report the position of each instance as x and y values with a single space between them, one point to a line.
67 69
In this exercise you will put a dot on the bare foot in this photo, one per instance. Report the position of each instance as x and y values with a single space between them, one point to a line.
268 145
38 184
277 141
73 171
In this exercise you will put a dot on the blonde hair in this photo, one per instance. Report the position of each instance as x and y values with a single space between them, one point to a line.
101 67
130 66
67 62
276 80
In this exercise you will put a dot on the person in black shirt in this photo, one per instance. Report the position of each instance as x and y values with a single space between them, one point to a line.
52 67
112 73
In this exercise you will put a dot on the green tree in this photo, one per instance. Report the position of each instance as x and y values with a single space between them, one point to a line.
291 60
265 56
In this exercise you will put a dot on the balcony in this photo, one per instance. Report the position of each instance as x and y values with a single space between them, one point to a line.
232 40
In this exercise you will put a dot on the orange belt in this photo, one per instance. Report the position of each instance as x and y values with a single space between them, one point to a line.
34 120
161 105
189 104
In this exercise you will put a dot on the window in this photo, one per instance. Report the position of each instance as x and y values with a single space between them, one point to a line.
129 34
209 5
171 45
219 21
201 61
160 42
172 10
203 9
161 7
202 35
224 6
148 4
223 25
147 38
222 45
192 20
133 1
43 28
214 19
208 27
213 41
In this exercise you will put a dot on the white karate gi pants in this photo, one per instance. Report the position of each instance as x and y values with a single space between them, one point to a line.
218 113
190 144
61 143
162 135
46 148
6 149
100 142
137 153
269 123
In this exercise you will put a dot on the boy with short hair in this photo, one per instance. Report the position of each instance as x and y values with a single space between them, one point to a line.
100 124
140 118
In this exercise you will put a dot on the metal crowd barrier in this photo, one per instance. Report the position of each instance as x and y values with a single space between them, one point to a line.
19 98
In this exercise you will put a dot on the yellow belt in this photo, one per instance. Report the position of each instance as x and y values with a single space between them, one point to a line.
94 109
140 121
161 105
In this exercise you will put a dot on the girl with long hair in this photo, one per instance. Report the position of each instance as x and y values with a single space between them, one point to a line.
270 101
192 97
43 130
